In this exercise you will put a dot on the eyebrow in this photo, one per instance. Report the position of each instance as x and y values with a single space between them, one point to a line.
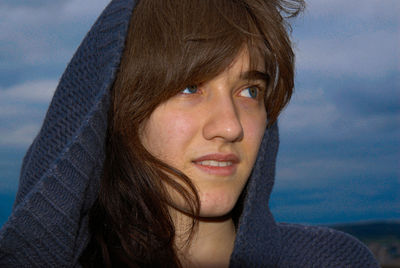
255 75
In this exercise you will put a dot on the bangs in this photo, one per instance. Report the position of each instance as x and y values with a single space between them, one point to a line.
214 33
172 44
194 40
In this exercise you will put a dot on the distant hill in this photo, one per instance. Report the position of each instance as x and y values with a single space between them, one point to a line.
382 238
371 231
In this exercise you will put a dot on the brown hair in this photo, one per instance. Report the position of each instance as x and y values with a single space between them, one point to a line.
170 45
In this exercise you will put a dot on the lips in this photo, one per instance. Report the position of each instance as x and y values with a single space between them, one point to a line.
214 163
217 164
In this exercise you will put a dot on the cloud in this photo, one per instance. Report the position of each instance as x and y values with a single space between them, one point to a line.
325 121
32 4
308 108
22 110
363 54
61 7
36 39
305 171
44 34
33 91
22 135
337 128
342 38
358 9
343 109
90 8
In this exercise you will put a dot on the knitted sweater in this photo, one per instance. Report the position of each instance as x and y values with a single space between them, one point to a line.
59 178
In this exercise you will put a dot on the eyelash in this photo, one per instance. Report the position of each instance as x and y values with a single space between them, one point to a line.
189 90
257 91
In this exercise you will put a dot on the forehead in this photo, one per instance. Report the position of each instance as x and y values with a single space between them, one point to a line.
246 62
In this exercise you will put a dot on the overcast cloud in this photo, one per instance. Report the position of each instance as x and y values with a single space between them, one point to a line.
339 136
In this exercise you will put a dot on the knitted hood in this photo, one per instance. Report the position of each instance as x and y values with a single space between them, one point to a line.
59 179
60 174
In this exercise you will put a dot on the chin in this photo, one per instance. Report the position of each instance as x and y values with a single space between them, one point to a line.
217 204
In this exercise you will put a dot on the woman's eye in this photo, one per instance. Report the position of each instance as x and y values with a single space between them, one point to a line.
250 92
190 90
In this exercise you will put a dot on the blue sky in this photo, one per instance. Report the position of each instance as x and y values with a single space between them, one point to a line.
340 146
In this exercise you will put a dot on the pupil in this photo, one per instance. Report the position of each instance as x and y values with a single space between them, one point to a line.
253 92
192 89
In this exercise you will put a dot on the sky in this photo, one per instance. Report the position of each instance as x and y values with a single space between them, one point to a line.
339 154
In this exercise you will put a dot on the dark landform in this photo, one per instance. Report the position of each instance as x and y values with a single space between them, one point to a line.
382 238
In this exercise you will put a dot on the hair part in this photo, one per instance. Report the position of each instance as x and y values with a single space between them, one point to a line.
172 44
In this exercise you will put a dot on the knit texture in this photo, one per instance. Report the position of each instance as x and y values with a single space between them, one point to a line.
258 235
59 178
311 246
60 174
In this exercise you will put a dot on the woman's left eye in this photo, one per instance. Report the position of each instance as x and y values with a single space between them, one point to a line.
190 90
249 92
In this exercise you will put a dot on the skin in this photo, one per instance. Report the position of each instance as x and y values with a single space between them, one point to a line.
220 122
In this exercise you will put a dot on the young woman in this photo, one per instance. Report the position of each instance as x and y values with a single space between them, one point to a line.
159 146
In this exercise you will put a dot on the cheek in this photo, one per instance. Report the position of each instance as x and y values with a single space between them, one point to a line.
254 128
167 135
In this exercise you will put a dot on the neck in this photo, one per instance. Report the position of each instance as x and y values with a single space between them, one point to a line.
211 243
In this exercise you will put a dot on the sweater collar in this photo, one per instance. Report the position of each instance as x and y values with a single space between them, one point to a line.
258 238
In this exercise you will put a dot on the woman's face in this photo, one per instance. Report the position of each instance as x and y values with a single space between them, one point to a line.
212 132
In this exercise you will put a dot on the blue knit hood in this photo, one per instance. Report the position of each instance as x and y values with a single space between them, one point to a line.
71 143
59 179
61 170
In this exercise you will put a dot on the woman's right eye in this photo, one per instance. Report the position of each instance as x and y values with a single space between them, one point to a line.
190 90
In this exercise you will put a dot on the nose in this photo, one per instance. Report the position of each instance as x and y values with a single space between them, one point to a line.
223 121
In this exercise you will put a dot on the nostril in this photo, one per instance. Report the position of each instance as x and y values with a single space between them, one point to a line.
224 125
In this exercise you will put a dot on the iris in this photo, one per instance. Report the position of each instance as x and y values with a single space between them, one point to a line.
250 92
190 90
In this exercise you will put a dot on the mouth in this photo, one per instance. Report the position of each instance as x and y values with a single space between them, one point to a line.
213 163
217 164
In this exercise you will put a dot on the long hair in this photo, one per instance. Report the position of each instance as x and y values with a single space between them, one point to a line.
170 45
